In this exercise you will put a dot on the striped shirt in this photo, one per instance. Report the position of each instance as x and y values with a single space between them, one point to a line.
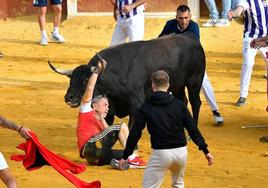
256 18
137 10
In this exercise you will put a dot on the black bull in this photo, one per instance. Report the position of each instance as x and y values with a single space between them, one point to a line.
126 79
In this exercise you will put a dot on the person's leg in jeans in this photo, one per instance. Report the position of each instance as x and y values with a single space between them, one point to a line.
226 7
213 13
224 21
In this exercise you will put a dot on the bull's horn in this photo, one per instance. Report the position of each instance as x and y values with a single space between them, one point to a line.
99 56
60 71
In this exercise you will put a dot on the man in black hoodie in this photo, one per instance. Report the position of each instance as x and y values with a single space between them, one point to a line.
166 117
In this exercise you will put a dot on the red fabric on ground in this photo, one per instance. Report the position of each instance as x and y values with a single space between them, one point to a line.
37 155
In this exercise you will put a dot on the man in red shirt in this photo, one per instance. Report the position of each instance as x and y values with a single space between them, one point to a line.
95 137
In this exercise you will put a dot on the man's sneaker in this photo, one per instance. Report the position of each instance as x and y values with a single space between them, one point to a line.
115 164
222 23
241 101
44 41
209 23
217 117
57 38
137 162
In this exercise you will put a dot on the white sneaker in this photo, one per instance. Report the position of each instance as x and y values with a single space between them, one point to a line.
222 23
209 23
44 41
57 38
217 117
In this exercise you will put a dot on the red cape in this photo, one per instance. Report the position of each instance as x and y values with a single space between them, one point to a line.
37 155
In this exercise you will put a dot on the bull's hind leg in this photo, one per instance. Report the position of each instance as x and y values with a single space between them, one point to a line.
194 98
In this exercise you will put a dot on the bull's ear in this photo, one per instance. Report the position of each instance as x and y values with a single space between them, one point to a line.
92 68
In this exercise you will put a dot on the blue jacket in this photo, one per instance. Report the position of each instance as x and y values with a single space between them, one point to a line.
172 26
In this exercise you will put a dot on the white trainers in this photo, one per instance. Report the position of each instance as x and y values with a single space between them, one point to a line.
209 23
57 38
222 23
44 41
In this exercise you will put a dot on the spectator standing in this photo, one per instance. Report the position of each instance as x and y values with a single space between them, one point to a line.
57 8
215 19
129 15
5 173
255 26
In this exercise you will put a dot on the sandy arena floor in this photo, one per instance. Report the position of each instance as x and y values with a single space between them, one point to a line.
32 95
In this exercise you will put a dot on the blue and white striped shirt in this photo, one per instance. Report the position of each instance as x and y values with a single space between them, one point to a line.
256 18
133 12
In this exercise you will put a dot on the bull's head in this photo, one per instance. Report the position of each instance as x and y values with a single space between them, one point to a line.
78 80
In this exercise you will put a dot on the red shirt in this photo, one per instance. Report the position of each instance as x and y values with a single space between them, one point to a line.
88 126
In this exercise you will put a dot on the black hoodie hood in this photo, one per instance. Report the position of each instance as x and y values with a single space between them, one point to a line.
160 98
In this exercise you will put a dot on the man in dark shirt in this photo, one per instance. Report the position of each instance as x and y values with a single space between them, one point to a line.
166 118
181 24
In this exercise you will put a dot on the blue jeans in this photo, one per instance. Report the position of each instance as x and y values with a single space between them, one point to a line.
213 11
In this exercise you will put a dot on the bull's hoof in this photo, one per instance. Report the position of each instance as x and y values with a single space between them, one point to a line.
264 139
1 55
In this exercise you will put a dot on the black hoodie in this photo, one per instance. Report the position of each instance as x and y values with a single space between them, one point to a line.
166 118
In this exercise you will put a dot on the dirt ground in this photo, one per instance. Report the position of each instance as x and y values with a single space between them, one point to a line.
32 95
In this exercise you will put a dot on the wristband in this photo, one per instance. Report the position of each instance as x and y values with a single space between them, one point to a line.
20 129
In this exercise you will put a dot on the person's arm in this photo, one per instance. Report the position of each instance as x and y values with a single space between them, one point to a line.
195 134
133 137
195 29
92 81
23 131
260 42
235 13
240 7
115 11
127 8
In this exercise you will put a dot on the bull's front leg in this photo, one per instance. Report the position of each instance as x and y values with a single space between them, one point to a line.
134 103
194 98
130 121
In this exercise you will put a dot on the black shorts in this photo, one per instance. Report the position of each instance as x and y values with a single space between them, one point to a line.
98 150
43 3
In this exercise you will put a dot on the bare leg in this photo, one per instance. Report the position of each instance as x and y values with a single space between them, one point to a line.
57 10
42 18
123 134
7 178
